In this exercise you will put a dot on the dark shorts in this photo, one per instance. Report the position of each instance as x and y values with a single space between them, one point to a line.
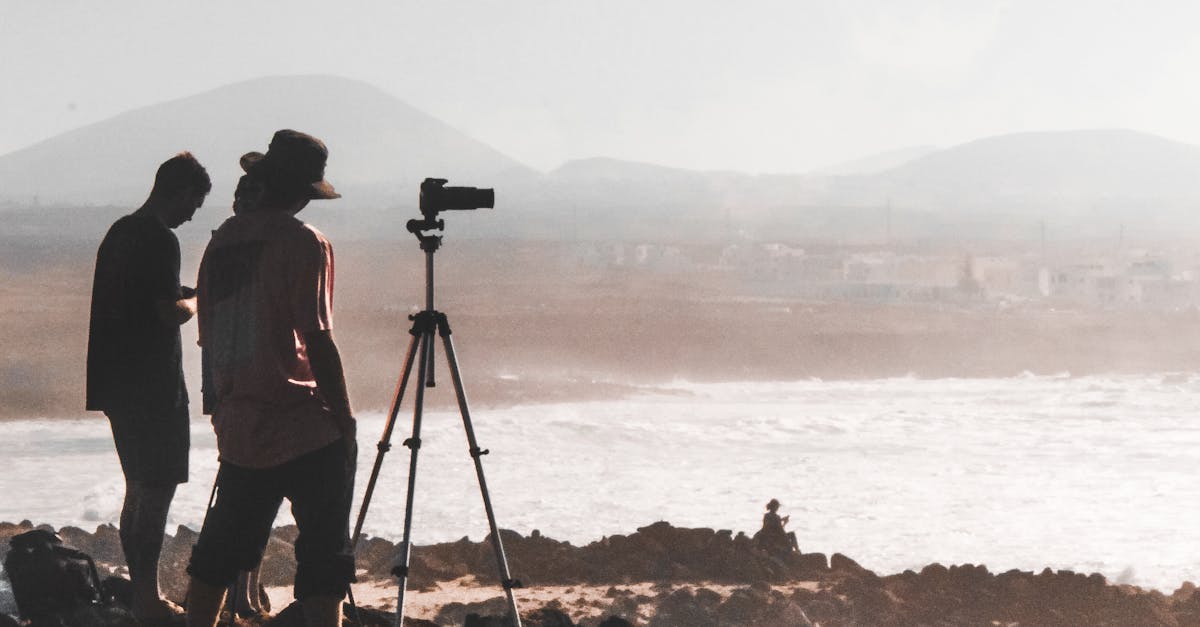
320 486
152 446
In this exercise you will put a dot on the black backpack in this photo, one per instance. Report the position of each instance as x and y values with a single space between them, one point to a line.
50 579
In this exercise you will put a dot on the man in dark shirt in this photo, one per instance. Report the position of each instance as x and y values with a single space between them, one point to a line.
134 365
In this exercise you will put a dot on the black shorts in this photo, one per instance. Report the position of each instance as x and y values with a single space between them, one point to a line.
320 486
152 446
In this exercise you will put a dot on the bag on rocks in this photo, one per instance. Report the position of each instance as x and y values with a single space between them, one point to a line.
50 579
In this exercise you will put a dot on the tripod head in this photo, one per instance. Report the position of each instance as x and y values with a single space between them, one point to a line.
435 198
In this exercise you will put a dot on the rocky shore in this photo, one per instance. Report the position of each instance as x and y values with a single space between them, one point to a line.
667 576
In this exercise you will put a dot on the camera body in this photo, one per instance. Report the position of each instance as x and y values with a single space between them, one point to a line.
435 197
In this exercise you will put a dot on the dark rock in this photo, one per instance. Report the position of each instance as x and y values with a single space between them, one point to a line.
173 562
376 555
117 589
456 613
372 617
476 620
286 533
549 615
811 566
293 616
745 606
616 592
1184 592
614 621
843 565
106 545
625 607
684 607
785 613
278 567
934 571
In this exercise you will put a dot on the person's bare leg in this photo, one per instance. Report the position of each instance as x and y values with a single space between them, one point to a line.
792 540
128 525
322 611
255 591
245 598
142 538
204 603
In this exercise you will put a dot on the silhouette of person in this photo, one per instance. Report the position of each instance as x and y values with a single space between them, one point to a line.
247 601
773 537
134 366
275 388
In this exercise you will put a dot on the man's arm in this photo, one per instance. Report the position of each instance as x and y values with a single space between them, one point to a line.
327 370
178 311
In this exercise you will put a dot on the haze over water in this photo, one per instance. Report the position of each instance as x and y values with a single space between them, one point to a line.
1093 474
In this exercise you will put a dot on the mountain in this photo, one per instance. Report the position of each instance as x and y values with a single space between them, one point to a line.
380 147
1086 182
875 163
603 198
1060 169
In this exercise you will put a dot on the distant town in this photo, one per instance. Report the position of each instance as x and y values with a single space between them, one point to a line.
1077 276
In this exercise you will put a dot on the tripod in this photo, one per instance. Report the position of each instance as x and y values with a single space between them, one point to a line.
425 324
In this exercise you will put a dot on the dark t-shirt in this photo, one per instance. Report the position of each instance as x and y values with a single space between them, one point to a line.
134 357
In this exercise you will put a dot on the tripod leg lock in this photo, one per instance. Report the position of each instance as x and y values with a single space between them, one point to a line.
400 571
509 584
479 452
443 324
413 443
383 447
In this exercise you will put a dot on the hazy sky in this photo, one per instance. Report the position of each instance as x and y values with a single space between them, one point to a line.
756 86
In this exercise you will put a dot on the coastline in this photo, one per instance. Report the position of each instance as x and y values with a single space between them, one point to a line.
1015 473
665 575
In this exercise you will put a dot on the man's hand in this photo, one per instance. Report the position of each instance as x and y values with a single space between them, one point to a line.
326 365
178 311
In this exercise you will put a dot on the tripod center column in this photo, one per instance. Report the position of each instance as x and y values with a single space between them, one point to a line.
429 280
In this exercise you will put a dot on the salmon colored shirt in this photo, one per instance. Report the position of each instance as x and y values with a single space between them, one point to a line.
266 279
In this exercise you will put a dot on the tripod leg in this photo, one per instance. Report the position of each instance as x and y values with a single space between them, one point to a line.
384 445
506 579
385 442
414 445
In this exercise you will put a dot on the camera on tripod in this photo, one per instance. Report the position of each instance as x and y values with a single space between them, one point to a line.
436 197
428 324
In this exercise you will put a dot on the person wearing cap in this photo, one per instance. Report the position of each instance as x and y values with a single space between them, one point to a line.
275 388
135 366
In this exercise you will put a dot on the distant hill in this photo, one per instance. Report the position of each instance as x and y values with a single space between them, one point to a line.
603 198
380 147
1066 168
873 164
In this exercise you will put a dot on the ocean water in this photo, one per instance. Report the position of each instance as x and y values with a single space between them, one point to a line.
1093 474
